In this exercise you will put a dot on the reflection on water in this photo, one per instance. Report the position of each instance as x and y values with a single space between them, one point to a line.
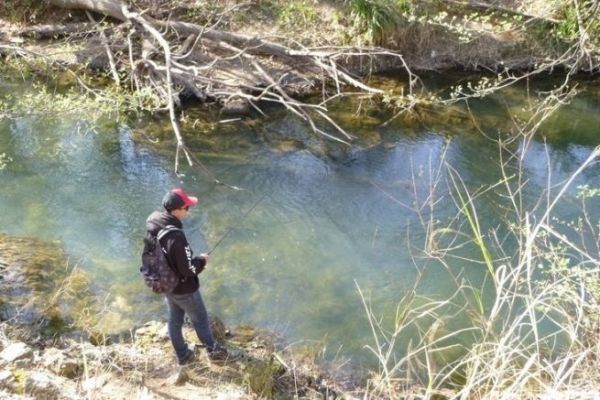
332 216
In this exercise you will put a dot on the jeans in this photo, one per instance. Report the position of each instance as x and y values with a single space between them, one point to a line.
191 304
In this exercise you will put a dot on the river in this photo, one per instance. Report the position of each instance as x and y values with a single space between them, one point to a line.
331 218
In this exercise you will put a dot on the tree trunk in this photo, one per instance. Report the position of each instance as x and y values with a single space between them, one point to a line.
112 8
224 66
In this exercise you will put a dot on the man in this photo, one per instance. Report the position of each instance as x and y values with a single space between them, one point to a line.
185 298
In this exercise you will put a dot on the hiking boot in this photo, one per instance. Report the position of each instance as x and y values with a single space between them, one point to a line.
219 354
188 358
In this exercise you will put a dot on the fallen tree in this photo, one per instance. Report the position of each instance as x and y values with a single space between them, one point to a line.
150 47
175 59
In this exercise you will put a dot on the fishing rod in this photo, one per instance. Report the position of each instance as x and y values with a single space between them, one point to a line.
191 157
233 227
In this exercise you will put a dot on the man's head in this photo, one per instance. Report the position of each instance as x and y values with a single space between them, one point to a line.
178 203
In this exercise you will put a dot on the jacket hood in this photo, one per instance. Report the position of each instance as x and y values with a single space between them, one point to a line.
159 219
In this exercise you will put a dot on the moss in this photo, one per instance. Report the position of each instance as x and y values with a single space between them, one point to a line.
261 377
245 334
24 11
20 376
60 296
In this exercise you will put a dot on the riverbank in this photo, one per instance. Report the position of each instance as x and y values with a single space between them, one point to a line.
49 351
66 367
242 55
469 36
460 285
264 266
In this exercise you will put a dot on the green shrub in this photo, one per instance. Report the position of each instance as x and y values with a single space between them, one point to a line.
23 11
377 17
575 19
298 14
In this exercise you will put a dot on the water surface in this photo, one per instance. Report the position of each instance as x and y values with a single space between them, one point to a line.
330 218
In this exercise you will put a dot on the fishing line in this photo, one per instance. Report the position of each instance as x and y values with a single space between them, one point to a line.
197 163
233 227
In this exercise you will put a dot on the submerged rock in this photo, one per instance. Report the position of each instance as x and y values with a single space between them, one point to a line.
26 265
32 271
287 146
236 107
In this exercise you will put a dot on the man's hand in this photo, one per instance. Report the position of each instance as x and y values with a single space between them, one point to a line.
206 257
200 262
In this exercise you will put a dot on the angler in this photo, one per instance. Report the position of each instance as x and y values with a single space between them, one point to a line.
165 230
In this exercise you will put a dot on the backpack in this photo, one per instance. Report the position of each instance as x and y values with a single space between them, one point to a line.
155 270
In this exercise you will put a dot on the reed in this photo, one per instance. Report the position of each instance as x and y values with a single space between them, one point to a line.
533 323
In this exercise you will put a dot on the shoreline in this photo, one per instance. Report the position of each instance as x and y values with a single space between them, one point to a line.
51 354
67 368
421 44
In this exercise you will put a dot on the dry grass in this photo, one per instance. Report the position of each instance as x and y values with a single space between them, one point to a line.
532 326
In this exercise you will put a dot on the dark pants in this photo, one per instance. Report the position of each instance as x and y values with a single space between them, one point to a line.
191 304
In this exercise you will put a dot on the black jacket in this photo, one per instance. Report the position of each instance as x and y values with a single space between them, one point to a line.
178 251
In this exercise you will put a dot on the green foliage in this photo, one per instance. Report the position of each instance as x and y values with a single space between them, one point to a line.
51 102
20 376
298 14
567 29
585 192
261 376
41 101
23 11
578 19
377 17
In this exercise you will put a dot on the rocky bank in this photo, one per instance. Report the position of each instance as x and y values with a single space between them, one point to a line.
37 362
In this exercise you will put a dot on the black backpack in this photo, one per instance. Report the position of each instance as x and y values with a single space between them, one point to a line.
155 270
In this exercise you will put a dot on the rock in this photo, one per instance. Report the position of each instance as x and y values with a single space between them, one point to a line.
7 380
24 363
180 378
59 363
244 333
217 327
41 386
69 368
236 107
151 332
11 396
17 351
95 384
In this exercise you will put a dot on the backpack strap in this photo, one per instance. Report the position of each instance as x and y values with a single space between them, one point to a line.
161 234
165 231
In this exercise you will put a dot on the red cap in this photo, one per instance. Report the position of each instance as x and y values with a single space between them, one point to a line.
177 198
189 201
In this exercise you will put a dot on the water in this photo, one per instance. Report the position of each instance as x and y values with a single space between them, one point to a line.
331 218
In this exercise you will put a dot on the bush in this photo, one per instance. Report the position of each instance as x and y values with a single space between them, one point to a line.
376 17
